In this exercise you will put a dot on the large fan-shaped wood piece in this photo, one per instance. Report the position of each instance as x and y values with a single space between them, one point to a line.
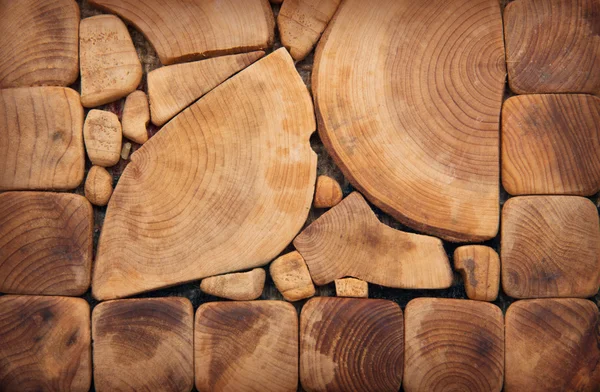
184 30
408 96
348 240
224 186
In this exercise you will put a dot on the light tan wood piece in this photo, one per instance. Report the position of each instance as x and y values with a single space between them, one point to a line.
349 344
45 243
351 287
552 346
223 187
551 144
480 268
46 344
103 136
110 67
98 186
301 23
550 247
173 88
241 286
41 142
246 346
566 59
328 192
125 151
136 115
291 277
184 30
348 240
408 96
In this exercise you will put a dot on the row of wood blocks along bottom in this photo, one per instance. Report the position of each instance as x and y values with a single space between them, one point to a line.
345 345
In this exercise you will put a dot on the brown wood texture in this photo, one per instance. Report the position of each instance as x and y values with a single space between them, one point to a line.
552 345
291 277
103 136
453 345
225 186
45 344
144 345
328 192
551 144
136 116
480 268
40 43
349 344
550 247
241 286
185 30
349 240
351 287
408 96
246 346
98 186
553 46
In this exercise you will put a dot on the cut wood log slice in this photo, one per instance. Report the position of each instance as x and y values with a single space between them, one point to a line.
349 240
552 345
144 345
408 97
328 192
351 287
223 187
550 247
40 43
183 30
551 144
453 345
98 186
41 139
46 344
349 344
246 346
480 268
103 136
241 286
136 116
553 46
291 277
173 88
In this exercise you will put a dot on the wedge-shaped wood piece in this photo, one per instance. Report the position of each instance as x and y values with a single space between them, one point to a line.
223 187
566 59
328 192
480 268
41 139
184 30
46 344
550 247
103 136
136 116
241 286
351 287
144 345
420 150
453 345
246 346
98 186
173 88
40 43
349 344
348 240
291 277
551 144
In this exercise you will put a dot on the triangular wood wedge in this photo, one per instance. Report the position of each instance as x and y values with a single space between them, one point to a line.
408 96
348 240
225 186
172 88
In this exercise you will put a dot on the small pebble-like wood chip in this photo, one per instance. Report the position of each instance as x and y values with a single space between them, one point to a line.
351 287
480 268
291 277
136 115
103 136
98 186
240 286
328 192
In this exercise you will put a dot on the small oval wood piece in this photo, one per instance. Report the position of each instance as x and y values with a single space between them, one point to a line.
328 192
103 136
98 186
453 345
184 30
136 115
349 240
241 286
291 277
110 67
550 247
551 144
242 346
351 287
46 344
566 60
480 268
41 142
349 344
40 43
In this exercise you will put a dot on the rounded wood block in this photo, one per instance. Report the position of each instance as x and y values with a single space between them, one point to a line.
241 286
408 96
103 136
41 143
351 287
349 240
551 144
246 346
480 268
46 344
144 345
453 345
328 192
40 43
291 277
566 59
349 344
550 247
225 186
136 115
185 30
98 186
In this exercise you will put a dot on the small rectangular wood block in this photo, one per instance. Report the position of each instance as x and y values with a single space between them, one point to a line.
351 287
480 268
